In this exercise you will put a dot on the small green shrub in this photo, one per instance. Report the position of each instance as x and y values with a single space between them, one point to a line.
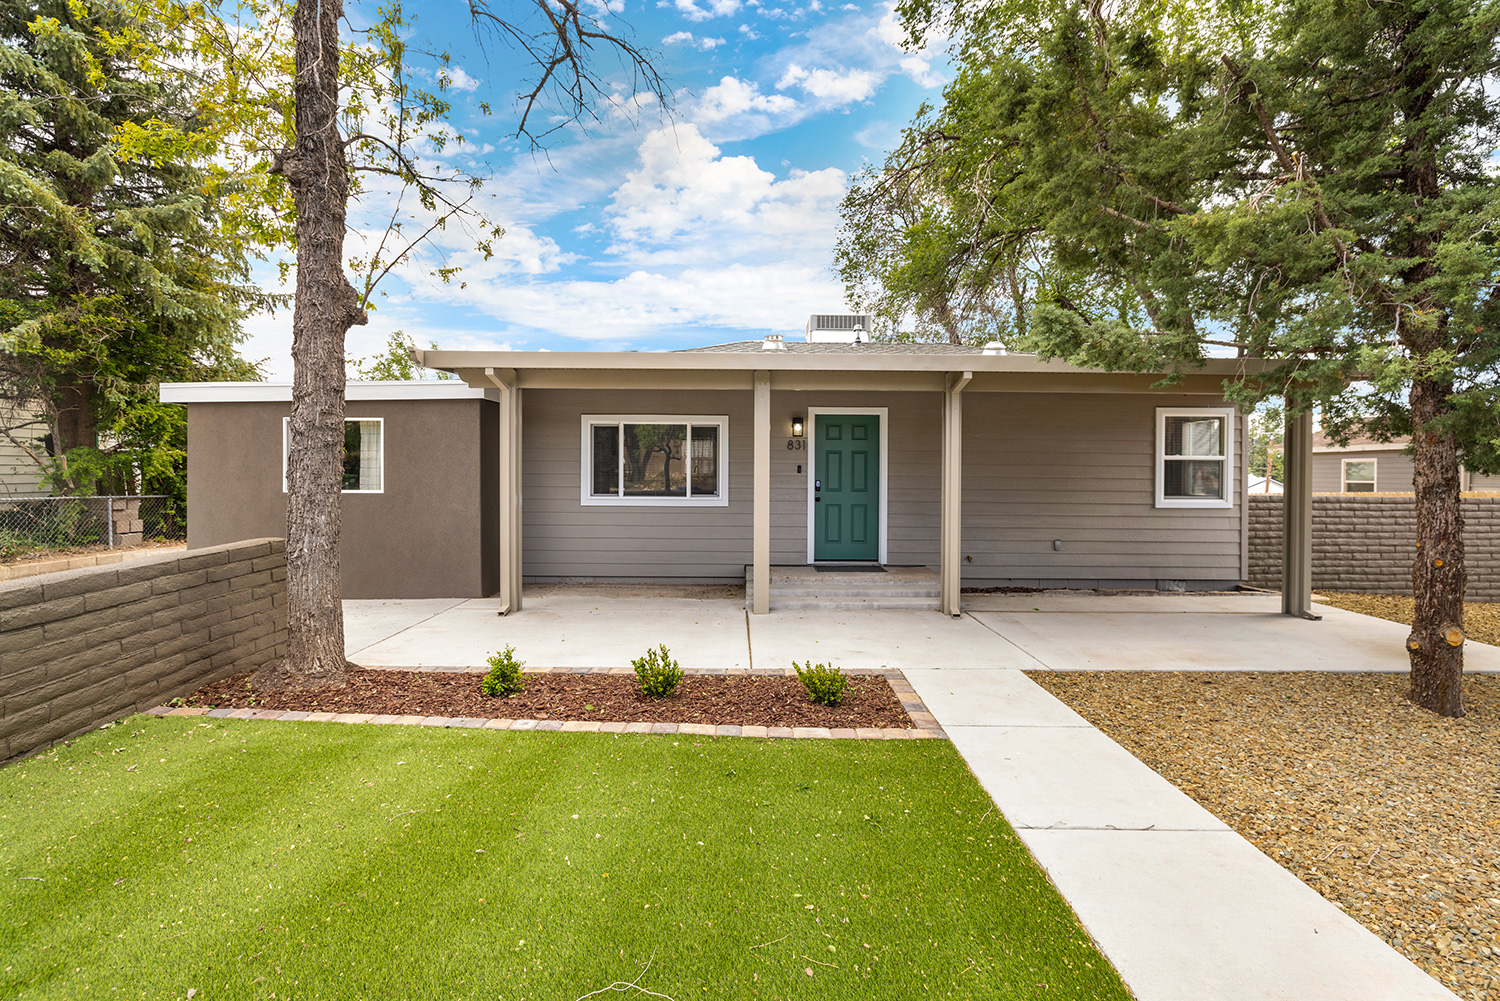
824 684
504 676
658 672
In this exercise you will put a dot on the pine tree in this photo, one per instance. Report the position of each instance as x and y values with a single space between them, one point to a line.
115 270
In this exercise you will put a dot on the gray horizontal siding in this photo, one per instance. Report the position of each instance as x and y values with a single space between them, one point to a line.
1082 468
561 538
1393 471
1079 467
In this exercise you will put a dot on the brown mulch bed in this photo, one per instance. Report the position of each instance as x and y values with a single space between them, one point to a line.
1389 811
715 699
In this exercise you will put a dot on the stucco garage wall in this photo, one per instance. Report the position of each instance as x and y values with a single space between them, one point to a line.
1081 467
425 536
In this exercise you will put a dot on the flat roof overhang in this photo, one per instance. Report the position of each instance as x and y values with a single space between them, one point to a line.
810 371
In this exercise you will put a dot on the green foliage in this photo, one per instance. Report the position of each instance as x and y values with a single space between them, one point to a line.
396 365
658 672
118 269
504 677
1306 183
825 685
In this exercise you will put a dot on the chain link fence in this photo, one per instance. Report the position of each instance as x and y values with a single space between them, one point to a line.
35 524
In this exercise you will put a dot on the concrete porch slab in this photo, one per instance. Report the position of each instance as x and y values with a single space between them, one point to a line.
570 629
907 640
1189 915
1254 641
367 622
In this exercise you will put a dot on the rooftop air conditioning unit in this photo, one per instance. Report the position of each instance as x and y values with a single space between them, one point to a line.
840 328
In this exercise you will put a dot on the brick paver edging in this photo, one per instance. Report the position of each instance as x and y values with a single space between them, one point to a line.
926 725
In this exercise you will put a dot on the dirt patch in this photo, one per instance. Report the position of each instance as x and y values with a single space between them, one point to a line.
716 699
1481 618
1387 810
99 549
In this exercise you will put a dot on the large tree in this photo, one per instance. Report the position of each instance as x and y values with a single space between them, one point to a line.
323 109
1305 183
115 268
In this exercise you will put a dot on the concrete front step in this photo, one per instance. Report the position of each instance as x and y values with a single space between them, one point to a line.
843 602
848 592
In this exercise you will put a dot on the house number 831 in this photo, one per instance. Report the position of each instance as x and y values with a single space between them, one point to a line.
796 444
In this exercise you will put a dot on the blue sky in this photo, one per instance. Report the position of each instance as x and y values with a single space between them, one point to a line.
644 233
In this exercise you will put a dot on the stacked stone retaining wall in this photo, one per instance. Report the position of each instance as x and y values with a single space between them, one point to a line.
1366 543
82 647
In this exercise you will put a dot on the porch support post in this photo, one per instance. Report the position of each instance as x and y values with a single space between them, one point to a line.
950 558
1296 537
509 460
761 516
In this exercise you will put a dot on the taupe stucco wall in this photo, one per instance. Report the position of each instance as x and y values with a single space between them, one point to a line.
424 536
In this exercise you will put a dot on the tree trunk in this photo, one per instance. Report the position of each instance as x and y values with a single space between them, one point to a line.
326 307
1437 574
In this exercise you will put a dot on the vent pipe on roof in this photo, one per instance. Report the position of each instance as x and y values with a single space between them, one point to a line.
773 342
994 348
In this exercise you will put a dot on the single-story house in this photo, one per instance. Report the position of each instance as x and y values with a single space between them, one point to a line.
714 464
1367 466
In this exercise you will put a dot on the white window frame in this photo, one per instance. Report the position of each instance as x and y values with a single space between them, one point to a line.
1374 480
588 498
286 452
1228 479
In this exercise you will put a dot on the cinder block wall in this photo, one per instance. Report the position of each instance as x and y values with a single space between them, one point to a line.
82 647
1366 544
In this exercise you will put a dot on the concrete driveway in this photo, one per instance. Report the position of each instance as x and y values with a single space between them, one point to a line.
1184 907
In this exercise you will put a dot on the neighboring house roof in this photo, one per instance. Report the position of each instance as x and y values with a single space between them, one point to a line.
281 392
1257 485
1322 443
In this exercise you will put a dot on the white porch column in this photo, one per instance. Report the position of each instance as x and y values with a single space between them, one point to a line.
950 557
509 467
761 513
1296 536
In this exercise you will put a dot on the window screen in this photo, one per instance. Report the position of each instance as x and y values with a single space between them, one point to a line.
1194 458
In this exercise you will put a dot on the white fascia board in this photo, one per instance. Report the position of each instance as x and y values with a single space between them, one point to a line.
356 392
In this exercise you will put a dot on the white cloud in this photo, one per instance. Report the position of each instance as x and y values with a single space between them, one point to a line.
835 86
715 8
921 72
458 79
686 38
686 200
740 102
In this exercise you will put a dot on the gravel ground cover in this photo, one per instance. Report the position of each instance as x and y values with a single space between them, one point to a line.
1389 811
1481 618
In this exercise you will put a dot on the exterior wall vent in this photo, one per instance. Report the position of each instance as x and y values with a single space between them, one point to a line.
773 342
839 328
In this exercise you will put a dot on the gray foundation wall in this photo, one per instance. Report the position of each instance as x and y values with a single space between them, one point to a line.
428 534
1366 544
82 647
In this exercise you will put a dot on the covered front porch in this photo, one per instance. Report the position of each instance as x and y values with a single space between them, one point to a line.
971 505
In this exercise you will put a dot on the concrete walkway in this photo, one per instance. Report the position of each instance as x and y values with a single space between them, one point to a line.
1185 908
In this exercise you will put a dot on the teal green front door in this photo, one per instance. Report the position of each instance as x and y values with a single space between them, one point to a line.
846 487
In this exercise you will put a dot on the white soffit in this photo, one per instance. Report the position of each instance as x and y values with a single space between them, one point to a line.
354 392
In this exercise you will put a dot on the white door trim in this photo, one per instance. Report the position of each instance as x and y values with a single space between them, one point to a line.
884 413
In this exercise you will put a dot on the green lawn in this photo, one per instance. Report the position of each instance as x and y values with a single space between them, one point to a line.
319 860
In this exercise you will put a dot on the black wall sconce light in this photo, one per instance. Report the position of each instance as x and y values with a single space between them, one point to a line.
798 426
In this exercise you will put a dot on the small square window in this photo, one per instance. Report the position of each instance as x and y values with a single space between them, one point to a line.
364 454
1359 476
1194 457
